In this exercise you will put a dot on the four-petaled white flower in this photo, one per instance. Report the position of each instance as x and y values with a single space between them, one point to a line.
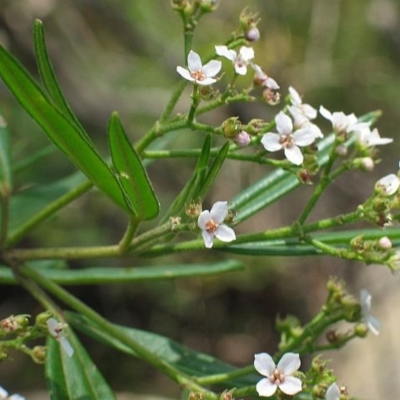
199 73
388 185
56 330
287 139
277 375
333 392
211 224
372 323
240 60
341 122
371 138
4 395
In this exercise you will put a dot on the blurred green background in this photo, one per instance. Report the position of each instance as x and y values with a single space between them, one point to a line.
122 55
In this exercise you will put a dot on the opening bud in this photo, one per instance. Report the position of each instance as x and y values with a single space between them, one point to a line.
231 127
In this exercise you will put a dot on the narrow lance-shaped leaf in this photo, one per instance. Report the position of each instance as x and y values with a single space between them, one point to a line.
73 377
131 172
5 165
59 130
49 79
213 171
113 275
193 184
181 357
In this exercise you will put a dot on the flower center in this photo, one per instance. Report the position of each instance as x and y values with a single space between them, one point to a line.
211 226
277 377
198 75
286 141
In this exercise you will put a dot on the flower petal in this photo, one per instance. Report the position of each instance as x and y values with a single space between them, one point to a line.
212 68
194 61
304 136
325 113
204 217
66 346
284 124
294 155
264 364
219 211
294 96
246 53
266 388
291 385
3 393
374 325
208 239
225 52
270 141
240 69
289 363
225 233
52 324
333 392
184 73
206 81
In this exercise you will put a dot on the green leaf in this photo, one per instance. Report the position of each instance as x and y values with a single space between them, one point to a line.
58 128
193 186
112 275
5 164
182 358
33 205
49 79
131 172
213 172
75 377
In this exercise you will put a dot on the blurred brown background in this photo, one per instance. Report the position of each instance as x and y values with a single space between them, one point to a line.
121 55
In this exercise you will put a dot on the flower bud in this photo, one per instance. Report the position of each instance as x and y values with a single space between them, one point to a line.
193 209
271 96
38 354
351 309
341 150
385 243
208 5
231 127
361 330
41 320
14 323
242 139
252 34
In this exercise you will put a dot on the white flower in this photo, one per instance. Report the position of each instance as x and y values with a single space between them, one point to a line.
333 392
211 224
199 73
277 375
388 185
240 60
372 323
4 395
302 121
371 138
287 139
305 109
56 330
341 122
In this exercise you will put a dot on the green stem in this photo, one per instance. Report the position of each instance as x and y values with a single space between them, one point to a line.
128 235
113 331
46 212
320 188
69 253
